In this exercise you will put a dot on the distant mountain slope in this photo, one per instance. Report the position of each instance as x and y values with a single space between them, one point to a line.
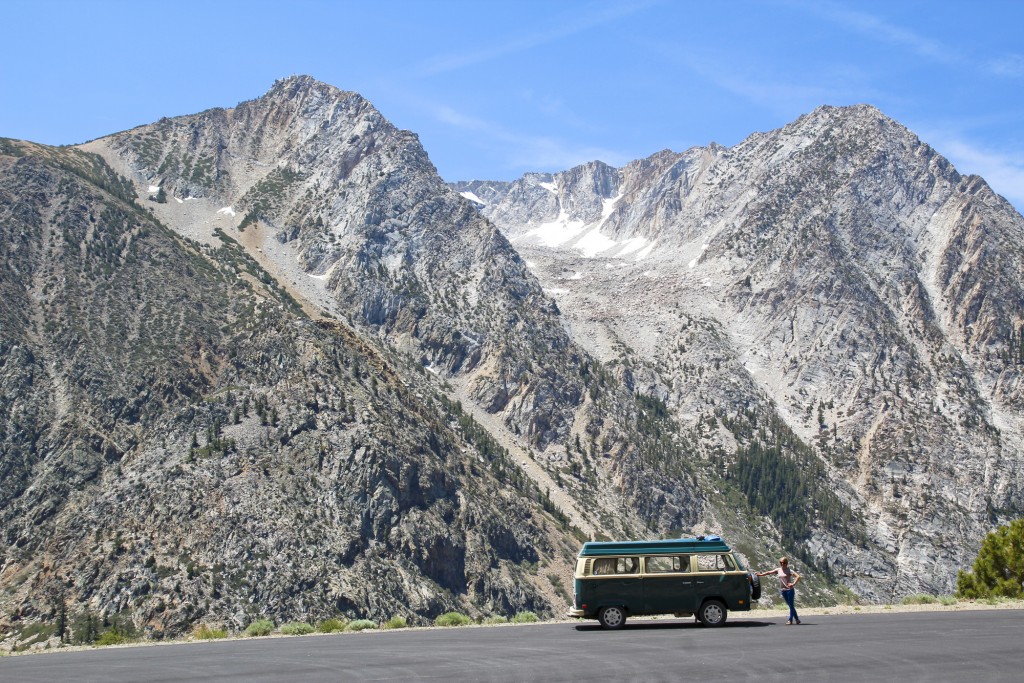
836 273
180 444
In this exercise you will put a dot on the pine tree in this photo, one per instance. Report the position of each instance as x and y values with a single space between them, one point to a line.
999 567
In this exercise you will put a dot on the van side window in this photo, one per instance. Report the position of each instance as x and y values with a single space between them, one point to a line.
715 563
616 565
665 563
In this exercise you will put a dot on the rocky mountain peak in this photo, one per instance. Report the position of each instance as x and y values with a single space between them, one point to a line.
860 289
304 102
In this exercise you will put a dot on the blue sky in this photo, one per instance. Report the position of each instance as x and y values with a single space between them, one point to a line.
495 89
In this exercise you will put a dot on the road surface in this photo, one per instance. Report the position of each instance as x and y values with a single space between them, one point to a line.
983 645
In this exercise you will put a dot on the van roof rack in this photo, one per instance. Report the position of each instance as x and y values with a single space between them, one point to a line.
702 544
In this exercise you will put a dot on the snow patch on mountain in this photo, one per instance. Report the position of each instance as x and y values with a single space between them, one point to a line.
473 198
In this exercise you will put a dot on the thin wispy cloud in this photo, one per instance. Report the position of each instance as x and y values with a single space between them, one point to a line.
875 28
761 86
523 152
578 24
1008 65
878 29
778 96
556 109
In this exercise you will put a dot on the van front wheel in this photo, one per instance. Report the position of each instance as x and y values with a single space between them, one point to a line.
712 613
612 617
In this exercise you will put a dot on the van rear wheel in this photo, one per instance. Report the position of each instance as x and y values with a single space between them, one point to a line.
712 613
612 617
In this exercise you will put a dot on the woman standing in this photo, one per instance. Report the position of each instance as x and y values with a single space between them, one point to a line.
787 587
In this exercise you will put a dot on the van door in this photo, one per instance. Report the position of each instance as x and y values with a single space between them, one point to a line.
668 585
619 583
717 576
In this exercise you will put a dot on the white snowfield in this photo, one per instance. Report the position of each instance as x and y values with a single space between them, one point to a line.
473 198
586 238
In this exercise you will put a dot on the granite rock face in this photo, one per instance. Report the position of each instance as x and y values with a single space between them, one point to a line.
372 224
837 275
182 444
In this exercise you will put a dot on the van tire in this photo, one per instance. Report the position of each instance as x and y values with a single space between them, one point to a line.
755 586
612 618
712 613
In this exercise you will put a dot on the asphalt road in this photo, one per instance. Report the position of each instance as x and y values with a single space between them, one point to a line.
924 646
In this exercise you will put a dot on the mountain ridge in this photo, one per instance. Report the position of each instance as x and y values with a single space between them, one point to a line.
363 394
851 206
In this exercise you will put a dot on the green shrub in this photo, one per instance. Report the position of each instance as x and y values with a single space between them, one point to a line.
112 638
331 625
496 619
361 625
920 599
204 632
999 567
260 627
396 622
452 619
121 631
947 600
525 618
296 628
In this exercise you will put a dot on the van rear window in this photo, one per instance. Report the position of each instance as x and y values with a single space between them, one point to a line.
616 565
715 563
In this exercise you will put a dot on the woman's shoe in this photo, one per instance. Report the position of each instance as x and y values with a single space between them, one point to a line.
798 622
789 623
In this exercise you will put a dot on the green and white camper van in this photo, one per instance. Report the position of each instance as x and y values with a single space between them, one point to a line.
684 577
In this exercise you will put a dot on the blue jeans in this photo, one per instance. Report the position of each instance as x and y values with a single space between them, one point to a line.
789 596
